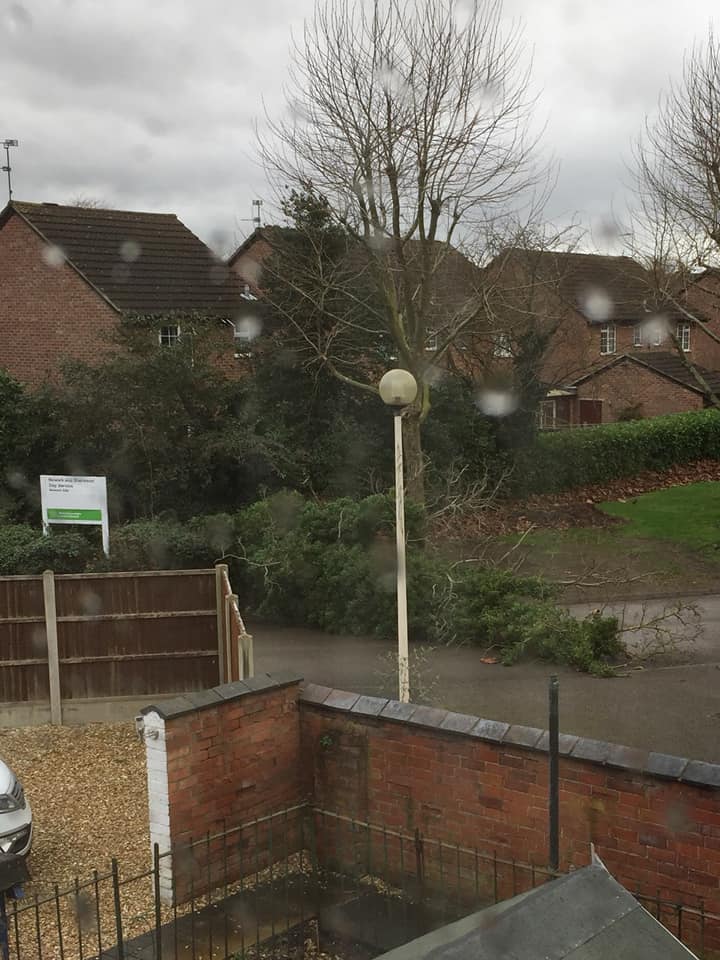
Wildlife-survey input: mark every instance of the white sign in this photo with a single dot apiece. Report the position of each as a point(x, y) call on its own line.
point(75, 500)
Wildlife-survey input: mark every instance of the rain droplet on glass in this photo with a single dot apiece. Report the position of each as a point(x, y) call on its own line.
point(19, 18)
point(655, 330)
point(498, 403)
point(247, 327)
point(53, 255)
point(596, 304)
point(130, 250)
point(91, 603)
point(16, 479)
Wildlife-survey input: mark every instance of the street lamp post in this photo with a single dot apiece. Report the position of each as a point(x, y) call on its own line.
point(398, 389)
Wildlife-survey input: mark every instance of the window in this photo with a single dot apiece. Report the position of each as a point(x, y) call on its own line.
point(169, 335)
point(637, 335)
point(502, 345)
point(547, 415)
point(683, 336)
point(242, 338)
point(431, 341)
point(607, 338)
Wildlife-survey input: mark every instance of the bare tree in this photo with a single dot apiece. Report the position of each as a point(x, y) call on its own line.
point(411, 121)
point(88, 203)
point(677, 223)
point(679, 160)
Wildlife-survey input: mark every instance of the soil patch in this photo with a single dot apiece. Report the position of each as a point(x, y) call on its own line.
point(572, 508)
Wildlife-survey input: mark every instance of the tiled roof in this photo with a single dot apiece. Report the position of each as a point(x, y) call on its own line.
point(602, 288)
point(142, 262)
point(668, 365)
point(457, 280)
point(671, 365)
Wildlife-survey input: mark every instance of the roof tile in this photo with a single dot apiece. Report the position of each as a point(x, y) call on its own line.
point(142, 262)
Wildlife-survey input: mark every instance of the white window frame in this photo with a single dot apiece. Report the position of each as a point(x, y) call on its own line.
point(502, 346)
point(608, 335)
point(545, 422)
point(243, 345)
point(638, 335)
point(431, 341)
point(683, 336)
point(169, 339)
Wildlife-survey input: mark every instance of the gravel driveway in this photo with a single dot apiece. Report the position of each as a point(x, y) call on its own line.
point(88, 792)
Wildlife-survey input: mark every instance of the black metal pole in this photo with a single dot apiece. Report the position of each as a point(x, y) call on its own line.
point(7, 169)
point(554, 749)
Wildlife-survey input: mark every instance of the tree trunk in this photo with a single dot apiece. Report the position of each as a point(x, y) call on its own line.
point(413, 457)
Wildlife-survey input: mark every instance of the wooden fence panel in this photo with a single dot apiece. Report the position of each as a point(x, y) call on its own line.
point(136, 592)
point(105, 658)
point(118, 634)
point(23, 641)
point(113, 678)
point(24, 682)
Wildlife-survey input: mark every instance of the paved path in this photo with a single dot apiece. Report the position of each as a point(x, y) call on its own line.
point(670, 708)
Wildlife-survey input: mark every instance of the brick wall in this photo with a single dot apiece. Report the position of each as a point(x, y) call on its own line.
point(231, 757)
point(627, 384)
point(47, 313)
point(444, 780)
point(704, 296)
point(249, 264)
point(654, 819)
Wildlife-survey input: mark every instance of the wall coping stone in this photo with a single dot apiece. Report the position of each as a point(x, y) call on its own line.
point(521, 736)
point(428, 717)
point(368, 706)
point(588, 749)
point(599, 752)
point(196, 700)
point(458, 722)
point(395, 710)
point(493, 730)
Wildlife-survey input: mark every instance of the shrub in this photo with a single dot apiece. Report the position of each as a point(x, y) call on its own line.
point(574, 458)
point(24, 550)
point(332, 566)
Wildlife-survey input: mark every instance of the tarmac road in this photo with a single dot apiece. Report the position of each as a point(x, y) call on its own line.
point(671, 705)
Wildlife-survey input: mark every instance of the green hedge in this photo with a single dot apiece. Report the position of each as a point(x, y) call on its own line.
point(574, 458)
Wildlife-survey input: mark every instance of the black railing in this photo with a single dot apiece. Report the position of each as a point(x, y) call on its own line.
point(301, 877)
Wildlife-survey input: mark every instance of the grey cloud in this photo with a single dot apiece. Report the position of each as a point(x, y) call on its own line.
point(152, 105)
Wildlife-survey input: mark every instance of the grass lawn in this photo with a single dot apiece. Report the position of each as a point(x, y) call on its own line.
point(687, 514)
point(669, 543)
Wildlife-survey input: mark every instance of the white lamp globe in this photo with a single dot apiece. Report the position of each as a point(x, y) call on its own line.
point(398, 388)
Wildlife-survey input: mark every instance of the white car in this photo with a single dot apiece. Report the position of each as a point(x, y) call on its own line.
point(15, 815)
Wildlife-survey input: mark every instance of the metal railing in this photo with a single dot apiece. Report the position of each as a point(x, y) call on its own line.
point(299, 877)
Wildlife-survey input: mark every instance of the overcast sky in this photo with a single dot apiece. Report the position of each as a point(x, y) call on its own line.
point(150, 104)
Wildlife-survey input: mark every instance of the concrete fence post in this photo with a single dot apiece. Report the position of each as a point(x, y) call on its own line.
point(52, 647)
point(221, 570)
point(229, 677)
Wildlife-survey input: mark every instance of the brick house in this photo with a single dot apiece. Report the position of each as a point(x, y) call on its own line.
point(615, 347)
point(611, 338)
point(68, 274)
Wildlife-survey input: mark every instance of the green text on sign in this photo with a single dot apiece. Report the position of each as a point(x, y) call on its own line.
point(58, 513)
